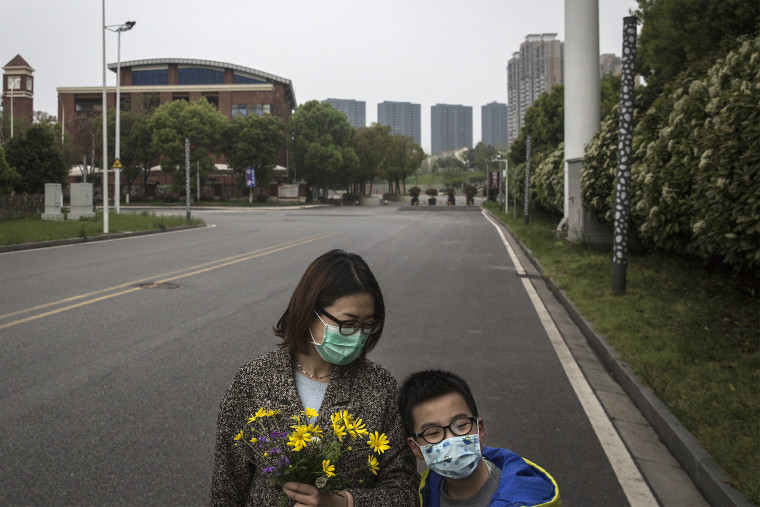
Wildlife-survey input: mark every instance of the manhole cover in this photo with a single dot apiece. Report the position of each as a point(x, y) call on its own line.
point(157, 285)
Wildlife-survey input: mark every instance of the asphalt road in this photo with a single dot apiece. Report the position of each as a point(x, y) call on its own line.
point(109, 392)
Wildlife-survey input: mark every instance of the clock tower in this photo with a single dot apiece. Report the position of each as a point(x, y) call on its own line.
point(18, 89)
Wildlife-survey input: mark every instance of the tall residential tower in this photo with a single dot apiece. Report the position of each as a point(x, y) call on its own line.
point(535, 69)
point(403, 117)
point(451, 127)
point(493, 119)
point(355, 110)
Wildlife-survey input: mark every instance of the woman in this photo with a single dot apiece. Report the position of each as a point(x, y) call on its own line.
point(334, 318)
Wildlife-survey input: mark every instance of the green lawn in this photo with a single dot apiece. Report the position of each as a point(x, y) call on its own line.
point(32, 230)
point(692, 333)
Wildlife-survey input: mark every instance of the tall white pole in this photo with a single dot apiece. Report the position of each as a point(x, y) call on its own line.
point(105, 130)
point(116, 171)
point(582, 97)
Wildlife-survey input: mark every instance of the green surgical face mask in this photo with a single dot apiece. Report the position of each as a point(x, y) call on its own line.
point(338, 348)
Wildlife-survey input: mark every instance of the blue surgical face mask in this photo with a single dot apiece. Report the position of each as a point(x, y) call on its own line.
point(455, 457)
point(338, 348)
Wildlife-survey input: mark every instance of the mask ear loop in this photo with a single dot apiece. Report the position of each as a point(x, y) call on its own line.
point(313, 341)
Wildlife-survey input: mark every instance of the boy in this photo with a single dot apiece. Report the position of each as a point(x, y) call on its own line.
point(443, 428)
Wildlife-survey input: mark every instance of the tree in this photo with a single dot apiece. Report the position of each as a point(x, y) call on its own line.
point(480, 156)
point(37, 156)
point(373, 148)
point(9, 177)
point(175, 121)
point(404, 158)
point(677, 33)
point(253, 141)
point(321, 148)
point(138, 154)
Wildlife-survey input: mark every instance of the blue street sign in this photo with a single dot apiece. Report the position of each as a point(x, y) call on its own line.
point(250, 177)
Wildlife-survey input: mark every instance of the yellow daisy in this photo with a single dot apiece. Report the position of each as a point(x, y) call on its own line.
point(272, 413)
point(328, 469)
point(261, 413)
point(340, 431)
point(299, 438)
point(359, 428)
point(315, 430)
point(309, 412)
point(378, 442)
point(374, 466)
point(239, 436)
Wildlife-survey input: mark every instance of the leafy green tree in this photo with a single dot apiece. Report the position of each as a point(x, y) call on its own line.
point(373, 146)
point(253, 141)
point(545, 122)
point(677, 33)
point(405, 157)
point(138, 154)
point(175, 121)
point(9, 177)
point(37, 157)
point(480, 156)
point(321, 148)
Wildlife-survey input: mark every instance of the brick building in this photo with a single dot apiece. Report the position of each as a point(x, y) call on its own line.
point(146, 84)
point(18, 90)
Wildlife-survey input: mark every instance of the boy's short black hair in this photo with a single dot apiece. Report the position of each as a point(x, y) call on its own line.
point(427, 385)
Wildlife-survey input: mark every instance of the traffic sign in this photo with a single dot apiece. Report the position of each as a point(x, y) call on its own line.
point(116, 164)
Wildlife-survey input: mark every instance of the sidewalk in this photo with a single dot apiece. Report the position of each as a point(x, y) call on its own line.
point(677, 468)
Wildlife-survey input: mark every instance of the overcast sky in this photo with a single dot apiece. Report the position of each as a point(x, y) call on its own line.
point(421, 51)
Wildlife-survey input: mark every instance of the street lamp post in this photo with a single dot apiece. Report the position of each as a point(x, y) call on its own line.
point(105, 130)
point(117, 171)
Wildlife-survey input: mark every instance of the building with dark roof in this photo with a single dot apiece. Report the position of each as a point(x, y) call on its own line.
point(18, 89)
point(146, 84)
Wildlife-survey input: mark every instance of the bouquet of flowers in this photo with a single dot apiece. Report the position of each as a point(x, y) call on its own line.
point(304, 452)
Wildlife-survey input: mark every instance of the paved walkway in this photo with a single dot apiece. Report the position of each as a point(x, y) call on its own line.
point(640, 419)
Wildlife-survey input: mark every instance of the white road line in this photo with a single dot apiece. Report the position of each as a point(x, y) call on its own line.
point(634, 486)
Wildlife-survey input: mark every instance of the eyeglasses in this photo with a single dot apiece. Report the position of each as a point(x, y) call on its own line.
point(459, 427)
point(348, 327)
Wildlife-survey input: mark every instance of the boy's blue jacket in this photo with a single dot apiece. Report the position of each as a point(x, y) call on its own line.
point(522, 483)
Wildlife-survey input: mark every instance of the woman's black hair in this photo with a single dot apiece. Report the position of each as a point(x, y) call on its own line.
point(333, 275)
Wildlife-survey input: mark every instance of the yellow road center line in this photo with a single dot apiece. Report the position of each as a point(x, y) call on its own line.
point(209, 266)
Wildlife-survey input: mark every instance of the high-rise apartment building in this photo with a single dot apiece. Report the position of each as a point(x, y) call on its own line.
point(403, 117)
point(610, 64)
point(493, 119)
point(536, 68)
point(355, 110)
point(451, 127)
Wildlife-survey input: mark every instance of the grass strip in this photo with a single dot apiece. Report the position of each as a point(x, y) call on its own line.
point(32, 230)
point(692, 333)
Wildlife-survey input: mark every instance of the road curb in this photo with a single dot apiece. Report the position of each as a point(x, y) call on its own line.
point(88, 239)
point(709, 478)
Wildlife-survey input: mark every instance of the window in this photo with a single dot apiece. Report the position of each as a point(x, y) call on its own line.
point(150, 77)
point(247, 80)
point(198, 75)
point(246, 109)
point(212, 98)
point(88, 105)
point(181, 96)
point(29, 84)
point(126, 102)
point(151, 101)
